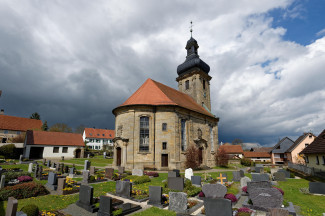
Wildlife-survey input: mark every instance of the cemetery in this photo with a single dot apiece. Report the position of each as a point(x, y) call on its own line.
point(52, 188)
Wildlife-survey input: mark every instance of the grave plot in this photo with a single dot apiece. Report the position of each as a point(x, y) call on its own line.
point(124, 189)
point(179, 203)
point(67, 186)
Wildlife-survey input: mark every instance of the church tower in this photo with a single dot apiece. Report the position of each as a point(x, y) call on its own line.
point(193, 78)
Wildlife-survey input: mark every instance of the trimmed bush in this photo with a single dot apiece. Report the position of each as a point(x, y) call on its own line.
point(201, 194)
point(22, 191)
point(24, 178)
point(245, 162)
point(154, 174)
point(138, 179)
point(30, 210)
point(92, 178)
point(8, 150)
point(15, 175)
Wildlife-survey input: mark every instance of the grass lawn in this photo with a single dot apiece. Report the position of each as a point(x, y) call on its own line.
point(155, 211)
point(21, 166)
point(95, 161)
point(309, 204)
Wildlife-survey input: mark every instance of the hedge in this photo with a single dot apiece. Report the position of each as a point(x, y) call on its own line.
point(22, 191)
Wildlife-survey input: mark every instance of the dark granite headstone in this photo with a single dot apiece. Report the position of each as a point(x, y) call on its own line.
point(177, 172)
point(236, 176)
point(317, 187)
point(217, 206)
point(155, 196)
point(196, 180)
point(214, 190)
point(21, 158)
point(177, 202)
point(254, 185)
point(279, 176)
point(40, 172)
point(2, 181)
point(62, 167)
point(172, 174)
point(123, 189)
point(121, 170)
point(52, 181)
point(44, 161)
point(66, 169)
point(259, 165)
point(48, 163)
point(12, 206)
point(105, 206)
point(109, 173)
point(287, 173)
point(71, 171)
point(260, 177)
point(259, 169)
point(266, 197)
point(242, 173)
point(87, 165)
point(176, 183)
point(86, 198)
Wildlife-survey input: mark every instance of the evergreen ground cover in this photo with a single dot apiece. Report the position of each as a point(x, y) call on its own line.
point(95, 161)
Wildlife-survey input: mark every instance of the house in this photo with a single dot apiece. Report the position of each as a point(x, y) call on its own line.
point(302, 142)
point(155, 126)
point(258, 156)
point(96, 138)
point(314, 153)
point(53, 145)
point(278, 153)
point(234, 151)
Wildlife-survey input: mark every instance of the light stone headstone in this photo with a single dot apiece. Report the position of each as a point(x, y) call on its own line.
point(2, 181)
point(85, 177)
point(236, 176)
point(177, 202)
point(266, 197)
point(279, 176)
point(260, 177)
point(71, 172)
point(243, 181)
point(61, 185)
point(137, 172)
point(242, 173)
point(214, 190)
point(121, 170)
point(30, 167)
point(92, 170)
point(217, 206)
point(273, 170)
point(109, 173)
point(188, 173)
point(12, 206)
point(254, 185)
point(21, 158)
point(279, 212)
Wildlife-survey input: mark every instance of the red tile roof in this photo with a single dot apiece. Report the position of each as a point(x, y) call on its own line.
point(54, 138)
point(99, 133)
point(155, 93)
point(18, 123)
point(257, 154)
point(232, 149)
point(317, 146)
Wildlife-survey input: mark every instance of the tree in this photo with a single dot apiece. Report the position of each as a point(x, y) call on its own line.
point(35, 115)
point(45, 127)
point(237, 142)
point(221, 158)
point(80, 129)
point(60, 127)
point(192, 157)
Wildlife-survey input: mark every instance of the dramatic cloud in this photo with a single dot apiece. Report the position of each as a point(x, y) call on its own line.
point(74, 61)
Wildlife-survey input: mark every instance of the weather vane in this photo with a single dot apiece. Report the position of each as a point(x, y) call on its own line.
point(191, 28)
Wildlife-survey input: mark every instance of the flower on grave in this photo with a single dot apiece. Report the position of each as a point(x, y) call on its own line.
point(231, 197)
point(244, 209)
point(244, 189)
point(201, 194)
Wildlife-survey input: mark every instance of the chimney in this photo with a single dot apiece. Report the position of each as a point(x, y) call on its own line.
point(2, 112)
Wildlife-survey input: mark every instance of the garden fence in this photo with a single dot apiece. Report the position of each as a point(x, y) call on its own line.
point(307, 170)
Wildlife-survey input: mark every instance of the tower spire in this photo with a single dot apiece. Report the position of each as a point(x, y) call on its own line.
point(191, 29)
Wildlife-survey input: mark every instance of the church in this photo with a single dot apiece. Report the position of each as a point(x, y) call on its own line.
point(156, 124)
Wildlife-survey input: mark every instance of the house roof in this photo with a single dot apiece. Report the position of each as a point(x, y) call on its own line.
point(262, 149)
point(99, 133)
point(317, 146)
point(18, 123)
point(298, 141)
point(155, 93)
point(53, 138)
point(283, 145)
point(249, 154)
point(232, 149)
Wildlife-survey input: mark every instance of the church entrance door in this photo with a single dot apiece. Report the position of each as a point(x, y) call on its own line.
point(164, 160)
point(118, 156)
point(200, 155)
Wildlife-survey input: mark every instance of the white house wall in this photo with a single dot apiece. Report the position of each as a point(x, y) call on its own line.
point(48, 151)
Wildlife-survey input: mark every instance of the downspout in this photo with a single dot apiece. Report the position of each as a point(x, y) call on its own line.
point(133, 137)
point(154, 137)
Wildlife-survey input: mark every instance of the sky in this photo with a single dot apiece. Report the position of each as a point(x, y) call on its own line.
point(74, 61)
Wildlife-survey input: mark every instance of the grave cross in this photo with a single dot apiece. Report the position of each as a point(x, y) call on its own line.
point(221, 178)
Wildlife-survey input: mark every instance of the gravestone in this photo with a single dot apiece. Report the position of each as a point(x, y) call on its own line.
point(279, 176)
point(259, 169)
point(279, 212)
point(121, 170)
point(57, 167)
point(177, 202)
point(85, 177)
point(287, 173)
point(52, 181)
point(86, 198)
point(53, 165)
point(217, 206)
point(62, 167)
point(104, 154)
point(137, 172)
point(36, 170)
point(61, 185)
point(155, 196)
point(123, 189)
point(236, 176)
point(21, 158)
point(40, 172)
point(105, 206)
point(176, 183)
point(92, 170)
point(71, 172)
point(274, 170)
point(260, 177)
point(196, 180)
point(2, 181)
point(188, 173)
point(259, 165)
point(177, 172)
point(317, 187)
point(243, 181)
point(252, 169)
point(172, 174)
point(48, 163)
point(266, 197)
point(44, 161)
point(66, 169)
point(30, 167)
point(242, 173)
point(109, 173)
point(222, 178)
point(87, 165)
point(12, 206)
point(214, 190)
point(254, 185)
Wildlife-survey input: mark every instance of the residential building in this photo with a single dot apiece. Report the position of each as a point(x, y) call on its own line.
point(278, 154)
point(314, 153)
point(234, 151)
point(96, 138)
point(53, 145)
point(156, 124)
point(302, 142)
point(258, 156)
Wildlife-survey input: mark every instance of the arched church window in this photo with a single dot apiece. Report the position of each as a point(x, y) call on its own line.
point(203, 84)
point(211, 138)
point(144, 133)
point(183, 134)
point(187, 84)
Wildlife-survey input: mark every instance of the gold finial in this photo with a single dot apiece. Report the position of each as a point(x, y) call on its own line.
point(191, 30)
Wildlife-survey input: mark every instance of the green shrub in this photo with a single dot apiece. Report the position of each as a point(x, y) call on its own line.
point(22, 191)
point(165, 184)
point(30, 210)
point(92, 178)
point(8, 150)
point(138, 179)
point(192, 190)
point(187, 183)
point(292, 175)
point(15, 175)
point(2, 157)
point(245, 162)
